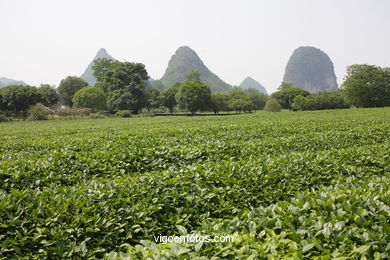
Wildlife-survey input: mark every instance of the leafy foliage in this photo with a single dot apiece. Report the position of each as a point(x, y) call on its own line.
point(17, 99)
point(168, 97)
point(50, 96)
point(284, 185)
point(272, 105)
point(193, 96)
point(68, 87)
point(285, 96)
point(38, 112)
point(123, 82)
point(90, 97)
point(322, 100)
point(367, 86)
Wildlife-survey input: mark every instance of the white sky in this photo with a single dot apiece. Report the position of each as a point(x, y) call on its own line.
point(43, 41)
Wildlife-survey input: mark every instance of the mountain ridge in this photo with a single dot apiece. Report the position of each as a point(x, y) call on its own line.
point(7, 82)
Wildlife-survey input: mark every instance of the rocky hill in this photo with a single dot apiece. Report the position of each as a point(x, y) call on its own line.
point(311, 69)
point(88, 73)
point(249, 82)
point(184, 61)
point(7, 82)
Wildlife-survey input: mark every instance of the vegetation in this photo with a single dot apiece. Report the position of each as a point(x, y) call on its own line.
point(123, 82)
point(168, 97)
point(153, 99)
point(272, 105)
point(90, 97)
point(322, 100)
point(284, 185)
point(367, 86)
point(50, 96)
point(38, 112)
point(16, 100)
point(193, 96)
point(123, 113)
point(68, 87)
point(286, 95)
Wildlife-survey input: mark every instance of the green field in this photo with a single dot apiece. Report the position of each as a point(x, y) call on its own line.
point(291, 184)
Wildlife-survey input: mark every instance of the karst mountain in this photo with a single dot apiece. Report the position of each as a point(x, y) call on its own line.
point(311, 69)
point(249, 82)
point(184, 61)
point(88, 73)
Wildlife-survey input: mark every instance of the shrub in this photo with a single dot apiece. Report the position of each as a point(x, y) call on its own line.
point(272, 105)
point(38, 112)
point(90, 97)
point(123, 113)
point(4, 118)
point(72, 112)
point(96, 116)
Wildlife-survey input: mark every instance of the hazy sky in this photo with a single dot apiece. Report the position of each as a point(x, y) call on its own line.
point(43, 41)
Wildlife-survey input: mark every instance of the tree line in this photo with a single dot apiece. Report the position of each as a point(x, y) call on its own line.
point(124, 86)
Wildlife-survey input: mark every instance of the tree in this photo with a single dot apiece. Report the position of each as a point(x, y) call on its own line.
point(238, 100)
point(218, 102)
point(49, 94)
point(286, 85)
point(272, 105)
point(68, 87)
point(285, 97)
point(17, 99)
point(153, 99)
point(367, 86)
point(321, 100)
point(258, 100)
point(299, 103)
point(193, 75)
point(123, 82)
point(193, 96)
point(90, 97)
point(168, 97)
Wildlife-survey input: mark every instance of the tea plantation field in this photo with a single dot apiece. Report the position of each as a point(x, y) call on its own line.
point(296, 185)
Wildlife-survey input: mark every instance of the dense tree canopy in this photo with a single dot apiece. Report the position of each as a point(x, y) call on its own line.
point(153, 99)
point(50, 96)
point(123, 82)
point(168, 97)
point(322, 100)
point(367, 86)
point(193, 96)
point(17, 99)
point(285, 96)
point(90, 97)
point(68, 87)
point(219, 102)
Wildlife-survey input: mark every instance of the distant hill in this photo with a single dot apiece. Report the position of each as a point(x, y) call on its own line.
point(88, 73)
point(184, 61)
point(7, 82)
point(311, 69)
point(251, 83)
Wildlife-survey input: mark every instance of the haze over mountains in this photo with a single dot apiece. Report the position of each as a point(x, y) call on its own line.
point(249, 82)
point(308, 68)
point(6, 82)
point(311, 69)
